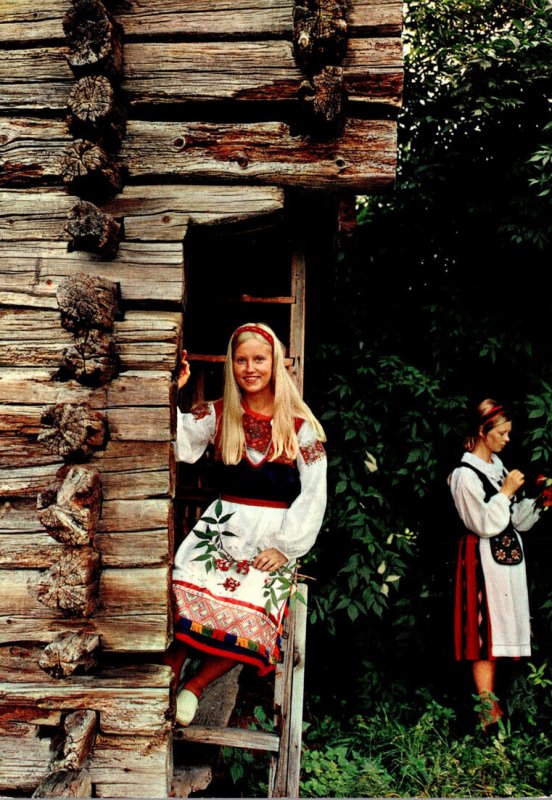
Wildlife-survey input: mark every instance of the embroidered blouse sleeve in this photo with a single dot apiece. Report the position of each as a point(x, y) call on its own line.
point(194, 432)
point(484, 519)
point(305, 515)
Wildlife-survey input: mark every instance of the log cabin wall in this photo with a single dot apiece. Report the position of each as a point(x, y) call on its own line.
point(123, 125)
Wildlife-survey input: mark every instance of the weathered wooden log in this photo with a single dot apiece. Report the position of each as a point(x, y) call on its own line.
point(131, 533)
point(260, 152)
point(132, 766)
point(71, 585)
point(158, 213)
point(72, 431)
point(79, 736)
point(253, 71)
point(362, 154)
point(180, 72)
point(93, 230)
point(146, 341)
point(75, 783)
point(70, 653)
point(319, 33)
point(30, 272)
point(70, 512)
point(324, 98)
point(202, 19)
point(97, 113)
point(129, 470)
point(95, 39)
point(92, 359)
point(23, 760)
point(89, 171)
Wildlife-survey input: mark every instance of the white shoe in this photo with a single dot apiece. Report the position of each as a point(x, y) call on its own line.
point(186, 707)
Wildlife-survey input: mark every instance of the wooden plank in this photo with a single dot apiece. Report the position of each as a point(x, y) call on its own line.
point(132, 710)
point(362, 157)
point(31, 272)
point(283, 691)
point(149, 340)
point(169, 72)
point(19, 664)
point(132, 766)
point(129, 471)
point(127, 633)
point(149, 213)
point(40, 387)
point(297, 692)
point(28, 21)
point(375, 17)
point(230, 737)
point(40, 551)
point(297, 317)
point(25, 21)
point(253, 71)
point(48, 86)
point(30, 150)
point(136, 470)
point(121, 590)
point(373, 71)
point(23, 762)
point(131, 533)
point(133, 616)
point(35, 340)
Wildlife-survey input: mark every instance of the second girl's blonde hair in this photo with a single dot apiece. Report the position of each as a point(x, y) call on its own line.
point(288, 403)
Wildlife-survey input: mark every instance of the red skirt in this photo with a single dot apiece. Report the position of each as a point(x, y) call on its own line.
point(472, 624)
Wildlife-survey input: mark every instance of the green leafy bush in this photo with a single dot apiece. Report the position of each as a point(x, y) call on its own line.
point(392, 755)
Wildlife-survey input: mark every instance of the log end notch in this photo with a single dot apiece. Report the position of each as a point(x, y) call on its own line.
point(70, 511)
point(70, 653)
point(92, 231)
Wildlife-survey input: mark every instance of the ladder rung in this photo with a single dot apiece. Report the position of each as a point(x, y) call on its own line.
point(284, 300)
point(230, 737)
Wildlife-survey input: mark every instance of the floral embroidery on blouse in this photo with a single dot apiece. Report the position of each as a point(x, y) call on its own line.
point(258, 433)
point(313, 451)
point(200, 412)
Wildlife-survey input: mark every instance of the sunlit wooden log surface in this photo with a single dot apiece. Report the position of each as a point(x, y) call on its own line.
point(362, 155)
point(206, 18)
point(168, 72)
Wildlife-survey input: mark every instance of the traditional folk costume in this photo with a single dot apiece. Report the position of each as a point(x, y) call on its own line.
point(224, 605)
point(491, 618)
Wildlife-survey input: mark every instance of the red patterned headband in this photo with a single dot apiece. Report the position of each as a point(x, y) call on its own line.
point(253, 329)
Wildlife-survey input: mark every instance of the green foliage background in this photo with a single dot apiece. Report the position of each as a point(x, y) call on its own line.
point(441, 297)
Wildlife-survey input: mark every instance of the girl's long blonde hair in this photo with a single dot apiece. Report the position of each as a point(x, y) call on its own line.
point(288, 403)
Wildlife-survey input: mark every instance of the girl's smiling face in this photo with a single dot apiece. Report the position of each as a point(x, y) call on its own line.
point(252, 366)
point(498, 437)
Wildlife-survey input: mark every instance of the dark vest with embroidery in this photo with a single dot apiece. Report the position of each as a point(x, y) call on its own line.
point(269, 482)
point(505, 547)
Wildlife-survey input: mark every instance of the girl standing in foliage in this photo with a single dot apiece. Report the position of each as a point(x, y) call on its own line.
point(491, 599)
point(234, 572)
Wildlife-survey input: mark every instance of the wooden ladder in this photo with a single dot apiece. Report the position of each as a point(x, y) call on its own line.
point(284, 744)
